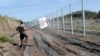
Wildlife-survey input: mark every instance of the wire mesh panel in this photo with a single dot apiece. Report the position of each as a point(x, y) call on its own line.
point(91, 14)
point(60, 19)
point(76, 8)
point(51, 14)
point(79, 17)
point(67, 18)
point(48, 20)
point(55, 20)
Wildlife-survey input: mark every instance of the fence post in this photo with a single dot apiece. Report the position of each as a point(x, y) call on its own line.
point(52, 22)
point(71, 18)
point(57, 20)
point(83, 17)
point(63, 20)
point(48, 21)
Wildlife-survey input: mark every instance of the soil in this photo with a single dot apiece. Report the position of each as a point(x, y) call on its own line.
point(53, 43)
point(63, 44)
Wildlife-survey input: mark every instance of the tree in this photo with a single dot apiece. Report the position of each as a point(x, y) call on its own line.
point(98, 15)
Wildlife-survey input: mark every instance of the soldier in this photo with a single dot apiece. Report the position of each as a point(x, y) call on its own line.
point(23, 35)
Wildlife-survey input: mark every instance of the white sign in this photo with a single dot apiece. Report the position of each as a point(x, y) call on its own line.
point(43, 22)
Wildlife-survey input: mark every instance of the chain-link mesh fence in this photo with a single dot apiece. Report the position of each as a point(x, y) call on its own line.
point(76, 18)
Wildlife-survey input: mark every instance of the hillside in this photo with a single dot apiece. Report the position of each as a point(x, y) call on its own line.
point(7, 25)
point(88, 14)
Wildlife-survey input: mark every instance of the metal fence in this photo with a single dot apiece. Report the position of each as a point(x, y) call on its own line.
point(72, 19)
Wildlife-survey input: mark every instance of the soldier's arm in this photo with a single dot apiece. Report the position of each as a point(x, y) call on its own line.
point(17, 29)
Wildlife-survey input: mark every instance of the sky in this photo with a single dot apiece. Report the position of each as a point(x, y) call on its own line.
point(28, 10)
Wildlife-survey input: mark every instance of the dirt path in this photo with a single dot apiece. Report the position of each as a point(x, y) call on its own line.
point(53, 44)
point(31, 48)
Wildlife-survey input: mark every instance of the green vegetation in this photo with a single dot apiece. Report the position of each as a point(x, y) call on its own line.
point(93, 28)
point(88, 14)
point(5, 17)
point(98, 15)
point(78, 15)
point(5, 38)
point(92, 20)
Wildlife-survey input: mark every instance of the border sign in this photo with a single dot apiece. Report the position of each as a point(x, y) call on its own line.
point(43, 22)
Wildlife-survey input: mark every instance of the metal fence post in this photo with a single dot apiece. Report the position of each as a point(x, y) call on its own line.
point(52, 22)
point(57, 20)
point(83, 17)
point(71, 18)
point(63, 20)
point(48, 21)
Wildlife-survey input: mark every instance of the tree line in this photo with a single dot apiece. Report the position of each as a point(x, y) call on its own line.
point(88, 14)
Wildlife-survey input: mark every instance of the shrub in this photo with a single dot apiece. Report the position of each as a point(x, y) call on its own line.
point(5, 38)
